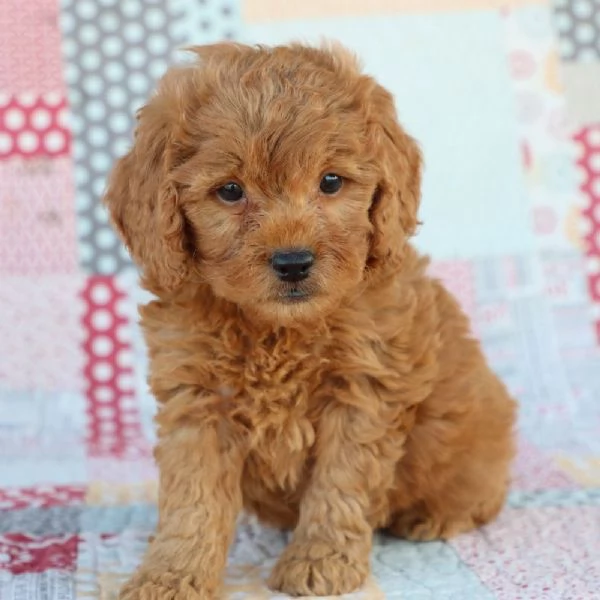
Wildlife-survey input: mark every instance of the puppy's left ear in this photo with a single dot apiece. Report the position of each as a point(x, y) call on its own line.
point(396, 201)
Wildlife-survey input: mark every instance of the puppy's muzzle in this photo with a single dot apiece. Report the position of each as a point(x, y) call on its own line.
point(292, 266)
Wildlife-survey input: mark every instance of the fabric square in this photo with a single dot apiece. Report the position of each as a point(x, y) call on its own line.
point(578, 26)
point(543, 127)
point(52, 521)
point(33, 127)
point(209, 21)
point(582, 90)
point(39, 420)
point(112, 520)
point(115, 51)
point(113, 418)
point(41, 333)
point(429, 571)
point(533, 554)
point(48, 584)
point(458, 278)
point(133, 297)
point(41, 447)
point(584, 470)
point(21, 553)
point(588, 141)
point(534, 470)
point(561, 287)
point(50, 463)
point(30, 58)
point(37, 217)
point(122, 480)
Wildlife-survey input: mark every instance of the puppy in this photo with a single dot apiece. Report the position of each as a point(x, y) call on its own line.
point(306, 367)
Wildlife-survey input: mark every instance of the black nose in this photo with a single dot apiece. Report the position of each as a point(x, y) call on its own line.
point(292, 265)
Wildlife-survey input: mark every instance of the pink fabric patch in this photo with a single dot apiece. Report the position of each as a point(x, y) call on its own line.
point(459, 279)
point(37, 217)
point(522, 64)
point(34, 127)
point(532, 470)
point(124, 470)
point(30, 60)
point(27, 554)
point(114, 423)
point(41, 497)
point(545, 220)
point(537, 553)
point(41, 333)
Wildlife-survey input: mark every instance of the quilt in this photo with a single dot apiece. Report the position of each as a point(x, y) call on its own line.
point(504, 96)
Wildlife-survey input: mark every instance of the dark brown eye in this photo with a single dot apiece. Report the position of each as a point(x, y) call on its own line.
point(331, 183)
point(230, 192)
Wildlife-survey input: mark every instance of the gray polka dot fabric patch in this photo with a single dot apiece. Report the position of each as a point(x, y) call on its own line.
point(115, 50)
point(578, 26)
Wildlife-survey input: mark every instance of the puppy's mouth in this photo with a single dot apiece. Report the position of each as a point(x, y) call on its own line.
point(295, 294)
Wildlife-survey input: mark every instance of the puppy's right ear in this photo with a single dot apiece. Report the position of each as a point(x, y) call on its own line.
point(143, 199)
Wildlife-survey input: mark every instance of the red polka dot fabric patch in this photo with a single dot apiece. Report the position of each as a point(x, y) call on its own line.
point(113, 418)
point(588, 140)
point(32, 126)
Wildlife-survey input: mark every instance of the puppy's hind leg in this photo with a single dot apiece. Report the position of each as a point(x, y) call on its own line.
point(425, 523)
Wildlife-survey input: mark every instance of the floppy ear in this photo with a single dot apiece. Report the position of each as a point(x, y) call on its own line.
point(395, 205)
point(142, 198)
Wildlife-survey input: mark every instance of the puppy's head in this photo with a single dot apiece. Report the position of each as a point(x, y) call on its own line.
point(279, 176)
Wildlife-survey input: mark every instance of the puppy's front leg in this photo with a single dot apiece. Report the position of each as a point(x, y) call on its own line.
point(329, 553)
point(199, 500)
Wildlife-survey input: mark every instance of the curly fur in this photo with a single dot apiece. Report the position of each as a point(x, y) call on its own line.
point(369, 405)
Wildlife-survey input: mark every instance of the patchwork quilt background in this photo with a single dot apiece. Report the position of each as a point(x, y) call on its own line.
point(505, 99)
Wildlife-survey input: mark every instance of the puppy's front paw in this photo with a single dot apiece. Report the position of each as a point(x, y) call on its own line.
point(164, 586)
point(317, 569)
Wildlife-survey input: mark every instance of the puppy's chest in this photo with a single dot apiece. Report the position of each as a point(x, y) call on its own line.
point(276, 397)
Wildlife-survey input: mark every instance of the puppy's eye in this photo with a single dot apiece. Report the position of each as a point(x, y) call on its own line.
point(230, 192)
point(331, 183)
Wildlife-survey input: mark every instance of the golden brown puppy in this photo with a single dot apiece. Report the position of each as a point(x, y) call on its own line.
point(307, 368)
